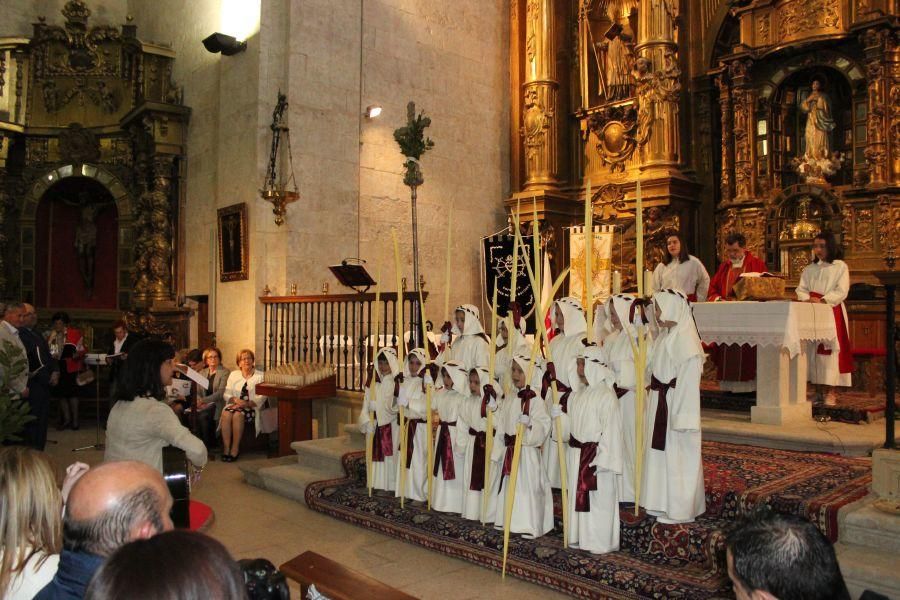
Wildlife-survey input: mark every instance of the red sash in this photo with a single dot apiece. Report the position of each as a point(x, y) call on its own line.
point(660, 423)
point(620, 392)
point(411, 426)
point(382, 443)
point(845, 351)
point(510, 442)
point(476, 482)
point(444, 452)
point(587, 474)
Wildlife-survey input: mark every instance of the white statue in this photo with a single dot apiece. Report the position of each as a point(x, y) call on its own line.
point(819, 123)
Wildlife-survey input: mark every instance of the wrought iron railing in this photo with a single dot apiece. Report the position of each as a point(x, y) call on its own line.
point(335, 330)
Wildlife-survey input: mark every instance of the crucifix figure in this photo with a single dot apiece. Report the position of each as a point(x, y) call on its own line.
point(86, 244)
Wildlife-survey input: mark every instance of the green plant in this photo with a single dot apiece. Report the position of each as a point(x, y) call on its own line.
point(413, 144)
point(14, 411)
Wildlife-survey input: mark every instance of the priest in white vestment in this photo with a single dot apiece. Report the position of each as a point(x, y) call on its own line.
point(567, 319)
point(826, 280)
point(448, 453)
point(470, 347)
point(472, 430)
point(681, 271)
point(594, 455)
point(532, 513)
point(380, 400)
point(411, 396)
point(672, 479)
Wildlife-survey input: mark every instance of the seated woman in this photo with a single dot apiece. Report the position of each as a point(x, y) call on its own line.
point(30, 522)
point(178, 402)
point(140, 424)
point(242, 405)
point(211, 400)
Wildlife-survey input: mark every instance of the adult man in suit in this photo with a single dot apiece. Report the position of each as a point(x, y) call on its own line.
point(122, 342)
point(9, 332)
point(43, 372)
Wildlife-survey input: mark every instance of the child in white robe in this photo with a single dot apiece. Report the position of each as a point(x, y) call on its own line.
point(448, 454)
point(620, 358)
point(379, 399)
point(566, 316)
point(604, 332)
point(473, 431)
point(532, 514)
point(508, 346)
point(470, 347)
point(672, 479)
point(594, 456)
point(412, 397)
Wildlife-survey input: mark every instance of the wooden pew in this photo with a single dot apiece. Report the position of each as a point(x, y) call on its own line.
point(336, 581)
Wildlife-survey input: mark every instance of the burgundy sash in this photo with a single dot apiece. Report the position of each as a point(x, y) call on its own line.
point(548, 378)
point(444, 452)
point(566, 391)
point(489, 393)
point(476, 483)
point(660, 423)
point(397, 381)
point(382, 443)
point(411, 425)
point(845, 352)
point(510, 442)
point(620, 392)
point(587, 474)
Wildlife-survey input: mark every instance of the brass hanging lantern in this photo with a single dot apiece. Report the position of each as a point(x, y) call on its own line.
point(275, 189)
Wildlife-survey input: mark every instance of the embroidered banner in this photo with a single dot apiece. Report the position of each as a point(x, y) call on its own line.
point(601, 264)
point(498, 264)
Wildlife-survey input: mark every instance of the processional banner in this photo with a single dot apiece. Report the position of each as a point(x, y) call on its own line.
point(498, 265)
point(601, 263)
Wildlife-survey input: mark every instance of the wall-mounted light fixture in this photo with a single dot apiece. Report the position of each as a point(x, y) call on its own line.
point(226, 44)
point(372, 111)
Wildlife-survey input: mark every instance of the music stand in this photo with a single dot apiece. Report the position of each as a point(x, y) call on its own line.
point(96, 360)
point(353, 276)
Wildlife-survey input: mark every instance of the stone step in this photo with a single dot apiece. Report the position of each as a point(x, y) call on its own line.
point(866, 569)
point(325, 454)
point(288, 480)
point(869, 527)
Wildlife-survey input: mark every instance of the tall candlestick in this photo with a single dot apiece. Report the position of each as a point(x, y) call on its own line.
point(648, 282)
point(616, 282)
point(639, 238)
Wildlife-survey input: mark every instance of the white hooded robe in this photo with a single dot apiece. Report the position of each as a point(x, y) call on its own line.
point(383, 403)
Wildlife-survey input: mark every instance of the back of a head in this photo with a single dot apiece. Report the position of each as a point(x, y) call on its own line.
point(176, 565)
point(141, 375)
point(785, 556)
point(30, 505)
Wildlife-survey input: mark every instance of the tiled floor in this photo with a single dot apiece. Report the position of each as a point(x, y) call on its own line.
point(254, 523)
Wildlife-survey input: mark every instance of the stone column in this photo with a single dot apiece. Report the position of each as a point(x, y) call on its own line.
point(541, 119)
point(656, 44)
point(727, 182)
point(742, 100)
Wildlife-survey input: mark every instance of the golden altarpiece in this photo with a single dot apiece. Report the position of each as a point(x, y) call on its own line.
point(92, 143)
point(776, 118)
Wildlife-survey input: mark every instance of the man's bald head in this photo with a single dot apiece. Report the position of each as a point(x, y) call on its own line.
point(113, 504)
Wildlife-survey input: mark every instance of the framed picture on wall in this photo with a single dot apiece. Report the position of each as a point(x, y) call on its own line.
point(234, 251)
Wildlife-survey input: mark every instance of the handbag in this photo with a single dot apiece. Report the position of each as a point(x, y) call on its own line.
point(268, 418)
point(85, 377)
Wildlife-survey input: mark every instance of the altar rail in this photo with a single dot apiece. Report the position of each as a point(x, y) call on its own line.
point(335, 329)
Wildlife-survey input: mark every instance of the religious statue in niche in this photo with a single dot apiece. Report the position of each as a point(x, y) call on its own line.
point(86, 245)
point(817, 161)
point(615, 81)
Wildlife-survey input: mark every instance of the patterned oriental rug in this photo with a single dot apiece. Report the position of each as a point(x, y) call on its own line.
point(655, 560)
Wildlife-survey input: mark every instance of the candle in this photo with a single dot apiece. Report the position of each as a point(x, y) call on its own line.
point(648, 283)
point(616, 282)
point(639, 237)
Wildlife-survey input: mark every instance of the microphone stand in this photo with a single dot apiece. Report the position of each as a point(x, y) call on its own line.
point(95, 360)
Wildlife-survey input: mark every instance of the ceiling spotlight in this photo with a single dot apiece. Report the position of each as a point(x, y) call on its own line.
point(372, 111)
point(226, 44)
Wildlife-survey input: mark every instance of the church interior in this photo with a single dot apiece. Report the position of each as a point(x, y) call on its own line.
point(314, 181)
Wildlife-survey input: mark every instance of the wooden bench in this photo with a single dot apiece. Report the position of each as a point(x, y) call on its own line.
point(336, 581)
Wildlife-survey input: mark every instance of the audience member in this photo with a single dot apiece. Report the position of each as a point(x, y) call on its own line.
point(140, 425)
point(211, 401)
point(242, 405)
point(117, 354)
point(782, 557)
point(30, 522)
point(67, 346)
point(177, 565)
point(43, 374)
point(9, 332)
point(109, 506)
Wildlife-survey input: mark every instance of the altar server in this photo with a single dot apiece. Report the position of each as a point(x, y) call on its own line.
point(411, 395)
point(594, 455)
point(672, 478)
point(472, 428)
point(681, 271)
point(567, 317)
point(826, 280)
point(470, 347)
point(533, 507)
point(508, 344)
point(625, 314)
point(448, 453)
point(379, 399)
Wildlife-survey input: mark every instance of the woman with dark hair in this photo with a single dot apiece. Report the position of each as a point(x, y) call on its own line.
point(141, 424)
point(175, 565)
point(826, 280)
point(67, 346)
point(681, 271)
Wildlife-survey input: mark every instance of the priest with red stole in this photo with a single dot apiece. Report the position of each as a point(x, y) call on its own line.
point(735, 365)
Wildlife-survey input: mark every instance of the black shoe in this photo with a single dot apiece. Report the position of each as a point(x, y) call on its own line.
point(226, 458)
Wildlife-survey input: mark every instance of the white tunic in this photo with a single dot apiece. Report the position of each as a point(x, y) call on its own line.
point(689, 277)
point(593, 416)
point(620, 358)
point(416, 481)
point(383, 472)
point(832, 280)
point(532, 513)
point(470, 351)
point(470, 418)
point(447, 493)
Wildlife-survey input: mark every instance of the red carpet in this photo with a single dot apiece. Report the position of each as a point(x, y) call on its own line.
point(655, 560)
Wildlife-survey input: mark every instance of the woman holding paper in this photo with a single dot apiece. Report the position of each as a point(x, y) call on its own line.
point(242, 404)
point(681, 271)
